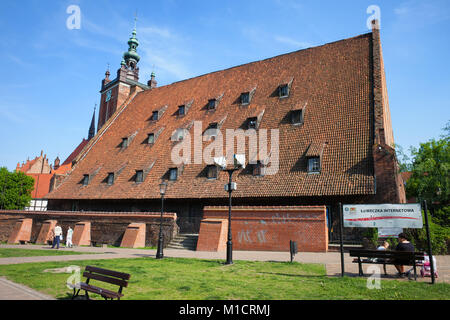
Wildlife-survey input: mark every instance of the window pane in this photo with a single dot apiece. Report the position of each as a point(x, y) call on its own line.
point(155, 115)
point(245, 98)
point(296, 116)
point(181, 110)
point(252, 123)
point(139, 176)
point(284, 90)
point(110, 178)
point(212, 104)
point(212, 172)
point(85, 180)
point(124, 142)
point(151, 138)
point(314, 164)
point(173, 174)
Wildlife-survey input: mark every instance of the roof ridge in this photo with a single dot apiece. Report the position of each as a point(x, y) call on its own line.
point(265, 59)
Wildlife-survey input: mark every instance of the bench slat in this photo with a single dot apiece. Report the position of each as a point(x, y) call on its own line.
point(106, 279)
point(100, 291)
point(121, 275)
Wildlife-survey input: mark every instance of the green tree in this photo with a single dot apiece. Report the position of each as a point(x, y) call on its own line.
point(15, 190)
point(430, 179)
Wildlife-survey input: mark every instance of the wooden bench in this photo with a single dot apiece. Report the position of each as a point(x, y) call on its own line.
point(386, 257)
point(108, 276)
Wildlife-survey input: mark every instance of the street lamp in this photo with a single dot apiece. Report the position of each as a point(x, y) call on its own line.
point(238, 162)
point(162, 191)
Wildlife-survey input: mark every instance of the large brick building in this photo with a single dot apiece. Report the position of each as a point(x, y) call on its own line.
point(328, 105)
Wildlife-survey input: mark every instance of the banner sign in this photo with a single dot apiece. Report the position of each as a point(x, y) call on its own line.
point(389, 232)
point(383, 215)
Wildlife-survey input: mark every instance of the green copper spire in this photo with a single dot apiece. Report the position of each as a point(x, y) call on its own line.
point(131, 57)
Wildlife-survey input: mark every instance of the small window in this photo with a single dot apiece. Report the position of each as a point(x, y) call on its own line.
point(110, 179)
point(297, 117)
point(314, 165)
point(258, 169)
point(151, 138)
point(212, 172)
point(212, 104)
point(124, 143)
point(283, 91)
point(245, 98)
point(252, 123)
point(173, 174)
point(181, 110)
point(85, 180)
point(139, 176)
point(155, 116)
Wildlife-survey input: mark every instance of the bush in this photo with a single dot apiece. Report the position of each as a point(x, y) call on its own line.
point(440, 238)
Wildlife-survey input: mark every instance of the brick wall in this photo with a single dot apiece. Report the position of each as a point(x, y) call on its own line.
point(107, 227)
point(271, 228)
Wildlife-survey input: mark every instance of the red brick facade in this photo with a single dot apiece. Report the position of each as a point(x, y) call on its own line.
point(96, 227)
point(266, 228)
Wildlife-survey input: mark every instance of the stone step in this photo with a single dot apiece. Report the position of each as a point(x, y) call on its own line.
point(184, 241)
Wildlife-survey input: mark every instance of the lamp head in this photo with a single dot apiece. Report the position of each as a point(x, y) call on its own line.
point(162, 188)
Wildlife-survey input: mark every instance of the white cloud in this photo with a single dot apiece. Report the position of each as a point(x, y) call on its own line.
point(292, 42)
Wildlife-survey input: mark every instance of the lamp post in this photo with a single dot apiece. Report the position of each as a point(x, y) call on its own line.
point(230, 187)
point(238, 162)
point(162, 191)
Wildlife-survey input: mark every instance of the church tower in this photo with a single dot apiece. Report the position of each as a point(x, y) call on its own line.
point(115, 92)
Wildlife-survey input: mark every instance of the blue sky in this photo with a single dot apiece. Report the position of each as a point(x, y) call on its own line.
point(51, 75)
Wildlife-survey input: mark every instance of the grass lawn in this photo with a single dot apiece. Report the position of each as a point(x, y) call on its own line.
point(7, 252)
point(180, 279)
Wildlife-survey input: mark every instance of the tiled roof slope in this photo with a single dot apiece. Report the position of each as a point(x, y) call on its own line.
point(332, 83)
point(75, 152)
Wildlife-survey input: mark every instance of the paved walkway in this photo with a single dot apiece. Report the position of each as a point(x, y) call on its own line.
point(331, 260)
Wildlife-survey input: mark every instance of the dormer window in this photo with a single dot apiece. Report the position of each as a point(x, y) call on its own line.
point(110, 179)
point(155, 116)
point(173, 174)
point(151, 138)
point(258, 169)
point(314, 165)
point(297, 116)
point(245, 98)
point(182, 110)
point(212, 103)
point(85, 179)
point(139, 176)
point(283, 91)
point(212, 172)
point(252, 123)
point(124, 143)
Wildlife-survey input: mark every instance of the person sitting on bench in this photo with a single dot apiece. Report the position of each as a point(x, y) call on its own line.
point(404, 245)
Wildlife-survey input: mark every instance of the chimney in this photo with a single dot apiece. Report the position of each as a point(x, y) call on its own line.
point(56, 164)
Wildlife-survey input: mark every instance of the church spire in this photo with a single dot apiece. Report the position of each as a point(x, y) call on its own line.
point(131, 57)
point(92, 127)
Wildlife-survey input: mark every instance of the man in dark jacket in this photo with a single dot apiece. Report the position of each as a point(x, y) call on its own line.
point(403, 245)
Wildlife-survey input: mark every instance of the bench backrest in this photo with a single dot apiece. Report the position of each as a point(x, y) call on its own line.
point(108, 276)
point(401, 255)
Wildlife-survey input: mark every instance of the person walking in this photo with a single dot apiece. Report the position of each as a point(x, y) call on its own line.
point(57, 236)
point(69, 238)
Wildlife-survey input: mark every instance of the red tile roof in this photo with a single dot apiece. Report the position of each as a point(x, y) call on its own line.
point(75, 152)
point(41, 184)
point(331, 83)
